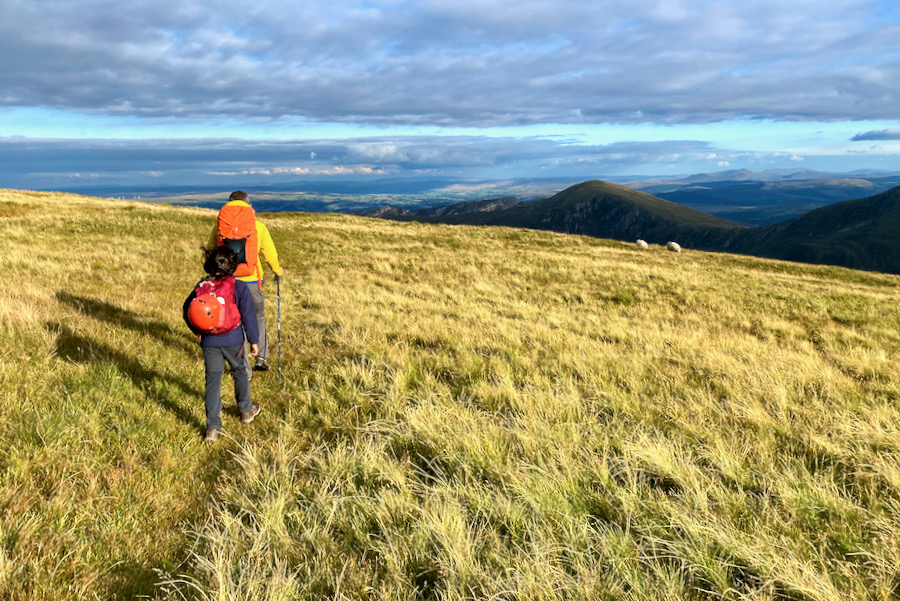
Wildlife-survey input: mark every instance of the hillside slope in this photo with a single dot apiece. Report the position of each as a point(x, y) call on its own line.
point(862, 234)
point(606, 210)
point(467, 413)
point(758, 203)
point(455, 208)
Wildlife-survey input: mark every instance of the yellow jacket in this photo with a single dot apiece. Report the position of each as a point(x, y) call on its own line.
point(265, 246)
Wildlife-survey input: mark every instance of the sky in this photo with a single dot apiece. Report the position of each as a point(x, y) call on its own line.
point(177, 92)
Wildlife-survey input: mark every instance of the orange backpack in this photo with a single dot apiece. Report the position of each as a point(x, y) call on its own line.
point(237, 230)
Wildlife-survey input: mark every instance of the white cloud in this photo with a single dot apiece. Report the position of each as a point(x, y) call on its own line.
point(328, 171)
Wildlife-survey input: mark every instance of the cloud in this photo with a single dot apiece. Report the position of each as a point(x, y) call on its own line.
point(36, 163)
point(462, 63)
point(881, 134)
point(325, 171)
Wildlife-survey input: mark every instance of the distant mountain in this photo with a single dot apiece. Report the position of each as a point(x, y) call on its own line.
point(770, 175)
point(456, 208)
point(360, 191)
point(386, 212)
point(763, 203)
point(862, 233)
point(605, 210)
point(758, 198)
point(765, 198)
point(770, 193)
point(751, 198)
point(476, 206)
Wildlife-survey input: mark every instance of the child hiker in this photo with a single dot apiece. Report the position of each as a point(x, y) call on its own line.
point(215, 311)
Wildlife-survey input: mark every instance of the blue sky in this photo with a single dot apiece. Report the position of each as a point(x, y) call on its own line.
point(196, 91)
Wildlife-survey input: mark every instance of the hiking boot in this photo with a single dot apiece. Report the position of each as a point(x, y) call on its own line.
point(212, 435)
point(261, 365)
point(249, 416)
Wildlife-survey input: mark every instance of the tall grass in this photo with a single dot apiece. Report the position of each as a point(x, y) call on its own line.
point(468, 413)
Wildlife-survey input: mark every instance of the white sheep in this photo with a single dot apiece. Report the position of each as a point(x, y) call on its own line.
point(674, 247)
point(641, 244)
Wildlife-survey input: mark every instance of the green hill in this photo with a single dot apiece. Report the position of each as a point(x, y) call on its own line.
point(606, 210)
point(862, 234)
point(467, 413)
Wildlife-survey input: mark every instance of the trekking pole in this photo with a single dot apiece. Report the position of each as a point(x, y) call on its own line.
point(278, 302)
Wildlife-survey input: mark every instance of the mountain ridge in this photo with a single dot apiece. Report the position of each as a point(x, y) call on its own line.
point(862, 233)
point(455, 208)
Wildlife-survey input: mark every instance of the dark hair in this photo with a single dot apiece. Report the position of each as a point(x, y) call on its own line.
point(238, 195)
point(220, 262)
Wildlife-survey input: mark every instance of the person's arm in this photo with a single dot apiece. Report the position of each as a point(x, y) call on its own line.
point(267, 248)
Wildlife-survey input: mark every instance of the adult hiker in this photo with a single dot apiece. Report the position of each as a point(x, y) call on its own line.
point(238, 228)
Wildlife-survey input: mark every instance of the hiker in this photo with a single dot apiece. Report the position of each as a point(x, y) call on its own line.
point(237, 226)
point(221, 313)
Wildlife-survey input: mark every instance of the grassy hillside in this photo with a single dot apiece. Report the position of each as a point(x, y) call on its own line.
point(468, 413)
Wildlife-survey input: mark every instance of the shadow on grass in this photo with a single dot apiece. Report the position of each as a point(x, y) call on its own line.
point(73, 347)
point(123, 318)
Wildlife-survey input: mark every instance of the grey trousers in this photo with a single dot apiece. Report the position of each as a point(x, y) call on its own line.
point(214, 360)
point(260, 302)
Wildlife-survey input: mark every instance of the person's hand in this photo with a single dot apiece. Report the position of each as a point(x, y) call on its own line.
point(254, 350)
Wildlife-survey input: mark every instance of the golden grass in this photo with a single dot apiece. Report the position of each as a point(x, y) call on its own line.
point(467, 413)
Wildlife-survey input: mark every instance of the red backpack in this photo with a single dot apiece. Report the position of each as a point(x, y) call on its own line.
point(237, 230)
point(214, 310)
